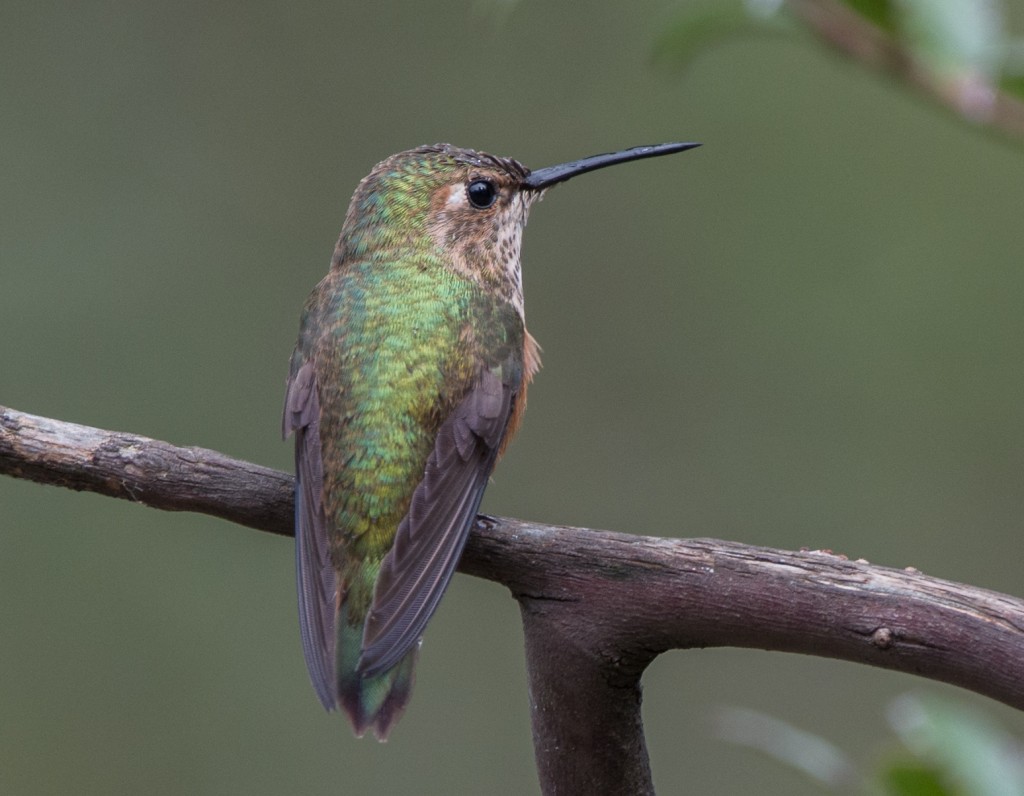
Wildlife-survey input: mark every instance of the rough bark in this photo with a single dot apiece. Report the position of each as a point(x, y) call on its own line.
point(598, 606)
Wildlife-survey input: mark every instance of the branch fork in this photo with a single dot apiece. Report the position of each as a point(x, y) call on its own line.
point(597, 606)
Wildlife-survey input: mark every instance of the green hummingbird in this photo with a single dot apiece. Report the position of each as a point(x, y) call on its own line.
point(407, 383)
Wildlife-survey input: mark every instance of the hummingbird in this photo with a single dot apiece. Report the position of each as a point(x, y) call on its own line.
point(407, 383)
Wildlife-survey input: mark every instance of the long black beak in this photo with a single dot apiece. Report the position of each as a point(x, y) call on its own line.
point(544, 178)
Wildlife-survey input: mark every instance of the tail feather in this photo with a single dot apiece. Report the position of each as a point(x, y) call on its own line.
point(372, 703)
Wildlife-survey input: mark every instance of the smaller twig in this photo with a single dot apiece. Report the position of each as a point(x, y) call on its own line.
point(846, 31)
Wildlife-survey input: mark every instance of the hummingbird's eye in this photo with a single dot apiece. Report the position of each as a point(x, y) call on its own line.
point(481, 193)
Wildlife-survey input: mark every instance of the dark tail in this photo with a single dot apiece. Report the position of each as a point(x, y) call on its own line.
point(372, 703)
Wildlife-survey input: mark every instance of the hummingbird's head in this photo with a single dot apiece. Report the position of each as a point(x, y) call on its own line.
point(460, 209)
point(463, 209)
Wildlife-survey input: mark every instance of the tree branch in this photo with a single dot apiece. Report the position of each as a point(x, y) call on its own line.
point(145, 470)
point(598, 607)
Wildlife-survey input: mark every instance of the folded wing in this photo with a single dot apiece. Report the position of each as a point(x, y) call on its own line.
point(317, 583)
point(430, 538)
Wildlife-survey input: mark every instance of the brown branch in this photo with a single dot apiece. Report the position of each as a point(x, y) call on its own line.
point(598, 607)
point(145, 471)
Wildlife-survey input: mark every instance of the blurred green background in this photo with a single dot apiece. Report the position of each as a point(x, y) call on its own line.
point(805, 333)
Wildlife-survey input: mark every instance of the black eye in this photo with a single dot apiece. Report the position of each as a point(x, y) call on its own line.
point(481, 193)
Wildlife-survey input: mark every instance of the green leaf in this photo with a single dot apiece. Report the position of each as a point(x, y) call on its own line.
point(880, 12)
point(955, 36)
point(972, 750)
point(1013, 85)
point(912, 778)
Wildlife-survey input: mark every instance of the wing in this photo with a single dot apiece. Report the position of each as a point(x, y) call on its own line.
point(317, 584)
point(430, 538)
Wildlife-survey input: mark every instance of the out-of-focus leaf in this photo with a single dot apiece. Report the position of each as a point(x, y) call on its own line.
point(955, 35)
point(963, 43)
point(878, 11)
point(1013, 84)
point(912, 778)
point(810, 754)
point(958, 52)
point(702, 25)
point(978, 756)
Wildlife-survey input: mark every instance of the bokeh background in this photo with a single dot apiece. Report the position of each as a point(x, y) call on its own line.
point(805, 333)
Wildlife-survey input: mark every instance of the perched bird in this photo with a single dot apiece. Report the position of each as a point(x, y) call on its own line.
point(408, 381)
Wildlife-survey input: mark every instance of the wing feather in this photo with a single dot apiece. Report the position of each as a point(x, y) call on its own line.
point(317, 582)
point(430, 538)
